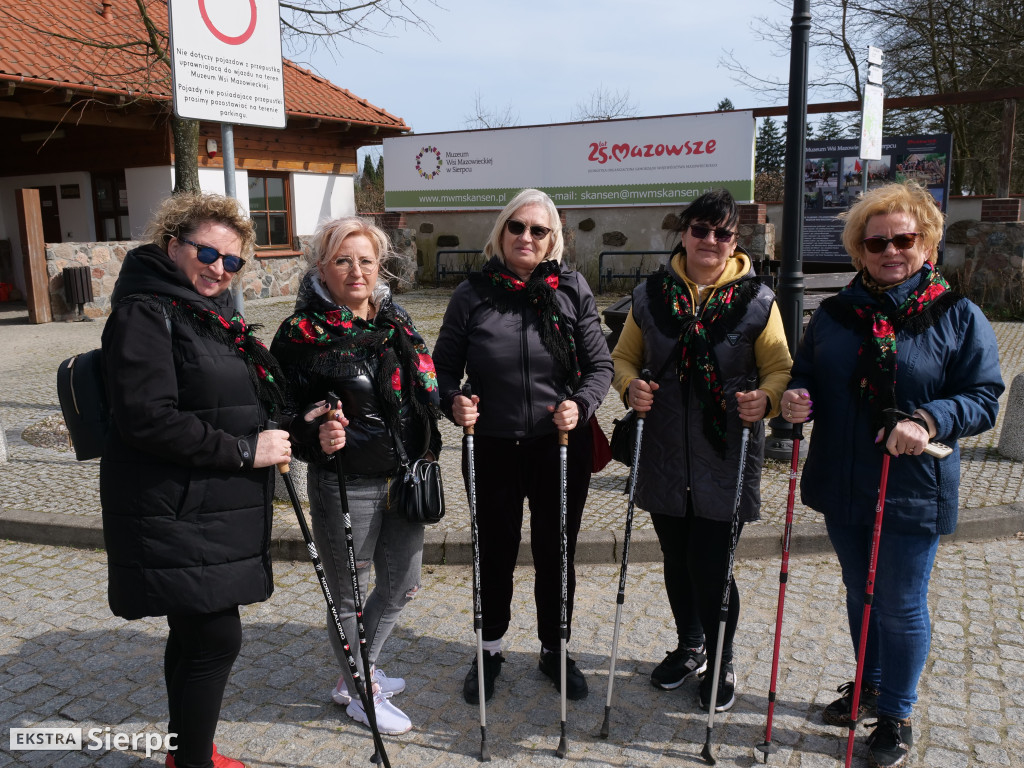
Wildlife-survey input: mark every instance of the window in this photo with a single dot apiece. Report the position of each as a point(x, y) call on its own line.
point(269, 208)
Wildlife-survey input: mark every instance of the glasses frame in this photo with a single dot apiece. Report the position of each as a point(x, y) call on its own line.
point(871, 243)
point(537, 232)
point(334, 263)
point(227, 258)
point(722, 235)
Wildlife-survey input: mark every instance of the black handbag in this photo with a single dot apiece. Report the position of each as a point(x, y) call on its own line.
point(624, 438)
point(420, 491)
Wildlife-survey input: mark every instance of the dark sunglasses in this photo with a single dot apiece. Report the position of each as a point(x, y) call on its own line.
point(722, 235)
point(902, 241)
point(208, 255)
point(517, 228)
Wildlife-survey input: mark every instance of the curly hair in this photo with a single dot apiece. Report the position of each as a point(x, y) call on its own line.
point(182, 214)
point(527, 197)
point(909, 198)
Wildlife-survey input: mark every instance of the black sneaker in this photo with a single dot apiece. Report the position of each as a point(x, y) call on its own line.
point(891, 742)
point(492, 668)
point(838, 712)
point(575, 684)
point(726, 689)
point(677, 666)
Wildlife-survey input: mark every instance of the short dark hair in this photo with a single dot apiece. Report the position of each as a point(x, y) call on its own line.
point(717, 207)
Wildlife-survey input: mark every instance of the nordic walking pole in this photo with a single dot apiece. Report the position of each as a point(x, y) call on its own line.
point(766, 747)
point(563, 623)
point(307, 537)
point(869, 592)
point(726, 590)
point(478, 614)
point(621, 596)
point(364, 652)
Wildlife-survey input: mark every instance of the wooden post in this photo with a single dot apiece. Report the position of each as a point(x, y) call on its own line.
point(33, 250)
point(1006, 153)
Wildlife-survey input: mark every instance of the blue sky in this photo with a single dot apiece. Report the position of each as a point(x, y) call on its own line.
point(542, 57)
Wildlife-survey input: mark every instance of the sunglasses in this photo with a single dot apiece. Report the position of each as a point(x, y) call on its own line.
point(517, 228)
point(902, 241)
point(722, 235)
point(208, 255)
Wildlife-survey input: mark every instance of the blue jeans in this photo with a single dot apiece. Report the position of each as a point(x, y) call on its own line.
point(380, 536)
point(899, 633)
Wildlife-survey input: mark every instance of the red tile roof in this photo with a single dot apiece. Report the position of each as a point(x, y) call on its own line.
point(41, 44)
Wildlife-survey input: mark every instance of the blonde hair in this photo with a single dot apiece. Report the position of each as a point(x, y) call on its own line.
point(330, 234)
point(527, 197)
point(180, 215)
point(909, 198)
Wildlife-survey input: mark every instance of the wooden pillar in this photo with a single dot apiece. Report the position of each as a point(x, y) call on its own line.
point(33, 250)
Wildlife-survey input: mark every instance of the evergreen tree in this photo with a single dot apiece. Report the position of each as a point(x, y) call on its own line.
point(724, 105)
point(830, 127)
point(369, 173)
point(771, 148)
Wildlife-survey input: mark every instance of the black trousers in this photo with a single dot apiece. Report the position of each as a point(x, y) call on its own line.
point(509, 472)
point(201, 648)
point(696, 552)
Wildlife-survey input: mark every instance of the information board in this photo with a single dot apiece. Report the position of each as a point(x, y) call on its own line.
point(834, 177)
point(226, 61)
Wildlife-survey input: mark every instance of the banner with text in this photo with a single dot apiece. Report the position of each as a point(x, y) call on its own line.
point(834, 177)
point(653, 161)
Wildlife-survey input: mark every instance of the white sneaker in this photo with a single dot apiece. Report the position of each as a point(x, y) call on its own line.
point(388, 686)
point(390, 719)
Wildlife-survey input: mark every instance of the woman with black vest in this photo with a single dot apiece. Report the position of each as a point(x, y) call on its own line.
point(712, 335)
point(185, 482)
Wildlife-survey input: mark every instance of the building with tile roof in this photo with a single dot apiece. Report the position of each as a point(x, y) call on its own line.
point(85, 117)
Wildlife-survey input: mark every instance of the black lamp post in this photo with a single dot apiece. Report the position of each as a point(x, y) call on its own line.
point(791, 276)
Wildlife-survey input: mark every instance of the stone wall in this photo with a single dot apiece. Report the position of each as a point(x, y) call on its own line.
point(990, 259)
point(262, 277)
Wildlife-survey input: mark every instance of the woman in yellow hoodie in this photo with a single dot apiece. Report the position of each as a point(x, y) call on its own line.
point(712, 335)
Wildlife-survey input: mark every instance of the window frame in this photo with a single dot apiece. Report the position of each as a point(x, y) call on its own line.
point(263, 176)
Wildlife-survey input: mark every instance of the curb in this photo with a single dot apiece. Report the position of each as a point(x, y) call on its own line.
point(592, 548)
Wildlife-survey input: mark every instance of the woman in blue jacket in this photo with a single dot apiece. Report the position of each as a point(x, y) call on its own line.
point(896, 338)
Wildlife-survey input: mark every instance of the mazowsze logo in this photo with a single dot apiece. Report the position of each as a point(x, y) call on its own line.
point(428, 162)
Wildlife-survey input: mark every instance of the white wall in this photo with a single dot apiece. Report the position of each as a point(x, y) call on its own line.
point(316, 197)
point(76, 215)
point(146, 188)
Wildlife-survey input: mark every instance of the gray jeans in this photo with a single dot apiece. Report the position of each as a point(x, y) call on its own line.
point(381, 537)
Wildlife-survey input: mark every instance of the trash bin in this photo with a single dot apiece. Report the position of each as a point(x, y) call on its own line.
point(77, 287)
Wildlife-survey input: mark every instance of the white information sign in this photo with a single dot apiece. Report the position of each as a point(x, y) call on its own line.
point(226, 61)
point(652, 161)
point(871, 123)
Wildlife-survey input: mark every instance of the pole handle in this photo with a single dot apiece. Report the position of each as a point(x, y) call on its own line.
point(467, 392)
point(284, 468)
point(645, 377)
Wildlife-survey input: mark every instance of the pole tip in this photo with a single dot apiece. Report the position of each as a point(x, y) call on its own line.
point(562, 748)
point(706, 752)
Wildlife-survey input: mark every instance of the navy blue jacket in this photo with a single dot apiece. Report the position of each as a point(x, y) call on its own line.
point(950, 370)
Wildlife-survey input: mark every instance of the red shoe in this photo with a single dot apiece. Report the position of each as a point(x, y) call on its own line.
point(219, 761)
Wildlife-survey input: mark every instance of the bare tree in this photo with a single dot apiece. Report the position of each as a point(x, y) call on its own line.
point(306, 25)
point(485, 117)
point(931, 46)
point(605, 105)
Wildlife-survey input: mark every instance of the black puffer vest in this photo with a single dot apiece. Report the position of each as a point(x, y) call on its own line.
point(676, 454)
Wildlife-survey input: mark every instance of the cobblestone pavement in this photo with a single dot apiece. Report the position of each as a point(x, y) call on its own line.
point(43, 479)
point(65, 662)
